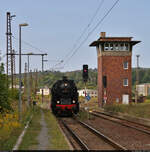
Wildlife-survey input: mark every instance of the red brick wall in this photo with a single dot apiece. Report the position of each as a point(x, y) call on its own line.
point(112, 67)
point(100, 81)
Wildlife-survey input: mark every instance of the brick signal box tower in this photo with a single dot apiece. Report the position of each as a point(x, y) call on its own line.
point(114, 68)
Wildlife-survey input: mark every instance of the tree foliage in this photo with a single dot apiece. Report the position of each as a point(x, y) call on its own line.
point(4, 94)
point(49, 78)
point(144, 75)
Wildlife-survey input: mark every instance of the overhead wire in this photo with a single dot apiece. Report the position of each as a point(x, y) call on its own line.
point(82, 34)
point(86, 28)
point(27, 43)
point(107, 13)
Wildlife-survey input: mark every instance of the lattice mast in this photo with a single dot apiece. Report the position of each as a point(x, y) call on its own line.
point(14, 68)
point(9, 52)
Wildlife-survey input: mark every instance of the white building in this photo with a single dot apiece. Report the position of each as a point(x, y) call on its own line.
point(15, 86)
point(143, 89)
point(90, 92)
point(46, 91)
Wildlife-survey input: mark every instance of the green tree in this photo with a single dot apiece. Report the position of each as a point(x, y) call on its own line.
point(4, 95)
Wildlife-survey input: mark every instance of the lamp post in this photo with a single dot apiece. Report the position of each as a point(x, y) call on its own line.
point(20, 101)
point(28, 82)
point(137, 79)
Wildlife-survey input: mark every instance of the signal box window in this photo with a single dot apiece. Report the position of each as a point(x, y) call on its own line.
point(106, 46)
point(125, 82)
point(111, 46)
point(116, 47)
point(126, 46)
point(121, 46)
point(125, 65)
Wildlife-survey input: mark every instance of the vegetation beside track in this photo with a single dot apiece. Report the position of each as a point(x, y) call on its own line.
point(10, 128)
point(30, 139)
point(8, 116)
point(138, 110)
point(57, 139)
point(90, 105)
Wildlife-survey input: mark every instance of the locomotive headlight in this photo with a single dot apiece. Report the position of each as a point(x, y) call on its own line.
point(73, 101)
point(58, 102)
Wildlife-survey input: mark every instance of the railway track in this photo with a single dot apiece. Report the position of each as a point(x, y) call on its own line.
point(87, 137)
point(124, 122)
point(128, 134)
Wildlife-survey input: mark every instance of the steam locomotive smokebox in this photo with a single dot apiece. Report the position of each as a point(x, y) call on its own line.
point(64, 97)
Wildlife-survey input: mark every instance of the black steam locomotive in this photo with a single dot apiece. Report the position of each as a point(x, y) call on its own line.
point(64, 97)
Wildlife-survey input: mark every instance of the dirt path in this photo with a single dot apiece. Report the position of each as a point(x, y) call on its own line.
point(43, 137)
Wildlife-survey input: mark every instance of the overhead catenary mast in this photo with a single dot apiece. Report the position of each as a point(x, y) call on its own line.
point(32, 54)
point(14, 69)
point(9, 59)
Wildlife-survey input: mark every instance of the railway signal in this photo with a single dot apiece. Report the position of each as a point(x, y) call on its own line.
point(85, 73)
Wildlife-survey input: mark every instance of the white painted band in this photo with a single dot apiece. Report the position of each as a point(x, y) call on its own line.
point(21, 136)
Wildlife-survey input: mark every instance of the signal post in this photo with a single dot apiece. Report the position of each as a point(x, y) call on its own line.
point(85, 75)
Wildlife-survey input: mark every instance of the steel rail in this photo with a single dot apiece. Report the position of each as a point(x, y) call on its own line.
point(107, 139)
point(78, 140)
point(141, 130)
point(146, 126)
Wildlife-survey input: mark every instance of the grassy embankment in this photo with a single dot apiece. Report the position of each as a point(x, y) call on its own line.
point(86, 106)
point(138, 110)
point(56, 139)
point(90, 105)
point(30, 141)
point(10, 128)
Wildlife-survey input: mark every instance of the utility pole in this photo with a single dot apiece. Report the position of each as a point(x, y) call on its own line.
point(28, 86)
point(137, 79)
point(25, 80)
point(43, 73)
point(32, 54)
point(36, 81)
point(9, 59)
point(31, 84)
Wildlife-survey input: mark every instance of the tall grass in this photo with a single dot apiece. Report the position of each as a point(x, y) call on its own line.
point(10, 128)
point(30, 141)
point(138, 110)
point(57, 140)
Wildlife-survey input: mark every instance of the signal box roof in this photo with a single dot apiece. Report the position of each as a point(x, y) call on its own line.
point(104, 39)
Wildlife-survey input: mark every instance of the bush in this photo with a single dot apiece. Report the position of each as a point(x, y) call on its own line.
point(138, 110)
point(4, 94)
point(14, 94)
point(148, 97)
point(115, 108)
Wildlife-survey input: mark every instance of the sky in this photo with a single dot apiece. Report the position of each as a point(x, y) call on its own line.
point(55, 27)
